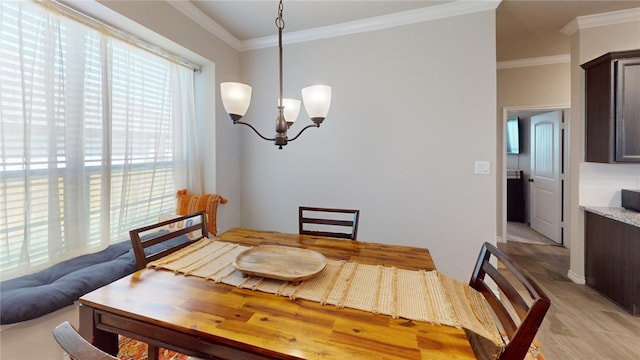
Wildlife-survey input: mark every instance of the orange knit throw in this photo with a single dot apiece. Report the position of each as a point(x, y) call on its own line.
point(190, 203)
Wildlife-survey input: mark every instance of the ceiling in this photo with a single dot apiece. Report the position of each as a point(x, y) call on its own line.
point(524, 28)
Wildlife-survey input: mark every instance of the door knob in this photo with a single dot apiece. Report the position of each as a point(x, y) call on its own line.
point(530, 180)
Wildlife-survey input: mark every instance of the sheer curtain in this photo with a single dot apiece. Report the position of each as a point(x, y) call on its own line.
point(96, 136)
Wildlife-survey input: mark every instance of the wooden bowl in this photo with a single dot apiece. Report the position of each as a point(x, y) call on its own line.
point(280, 262)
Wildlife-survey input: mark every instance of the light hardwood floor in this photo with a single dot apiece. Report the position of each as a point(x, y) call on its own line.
point(581, 323)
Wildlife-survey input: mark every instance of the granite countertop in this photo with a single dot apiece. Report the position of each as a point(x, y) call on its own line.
point(616, 213)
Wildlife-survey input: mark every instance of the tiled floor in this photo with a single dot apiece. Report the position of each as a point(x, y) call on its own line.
point(581, 323)
point(520, 232)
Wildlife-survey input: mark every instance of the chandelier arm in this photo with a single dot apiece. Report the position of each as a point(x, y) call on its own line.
point(255, 130)
point(303, 129)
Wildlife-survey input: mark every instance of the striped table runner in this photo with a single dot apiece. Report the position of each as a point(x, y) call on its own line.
point(427, 296)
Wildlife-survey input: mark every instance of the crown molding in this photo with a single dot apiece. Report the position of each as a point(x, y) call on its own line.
point(537, 61)
point(200, 18)
point(610, 18)
point(445, 10)
point(441, 11)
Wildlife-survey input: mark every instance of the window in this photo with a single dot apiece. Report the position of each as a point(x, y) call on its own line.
point(91, 137)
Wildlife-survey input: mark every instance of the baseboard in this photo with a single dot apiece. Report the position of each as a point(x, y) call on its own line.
point(576, 278)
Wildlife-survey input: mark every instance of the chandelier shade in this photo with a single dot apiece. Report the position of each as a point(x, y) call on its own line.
point(317, 100)
point(291, 110)
point(235, 98)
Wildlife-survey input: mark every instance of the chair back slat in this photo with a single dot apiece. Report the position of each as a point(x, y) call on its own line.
point(151, 242)
point(309, 220)
point(520, 305)
point(502, 313)
point(506, 288)
point(338, 223)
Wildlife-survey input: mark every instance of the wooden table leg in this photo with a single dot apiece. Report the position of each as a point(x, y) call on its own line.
point(106, 341)
point(152, 352)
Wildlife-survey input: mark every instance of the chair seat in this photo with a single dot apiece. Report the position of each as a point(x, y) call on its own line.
point(534, 351)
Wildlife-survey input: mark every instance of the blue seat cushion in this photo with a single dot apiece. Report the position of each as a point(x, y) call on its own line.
point(34, 295)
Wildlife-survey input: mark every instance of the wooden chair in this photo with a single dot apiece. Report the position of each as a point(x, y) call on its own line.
point(342, 224)
point(149, 246)
point(155, 241)
point(520, 306)
point(76, 346)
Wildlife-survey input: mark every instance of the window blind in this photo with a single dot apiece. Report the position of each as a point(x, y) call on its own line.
point(88, 138)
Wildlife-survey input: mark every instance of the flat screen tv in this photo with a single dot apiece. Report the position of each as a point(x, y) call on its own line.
point(513, 136)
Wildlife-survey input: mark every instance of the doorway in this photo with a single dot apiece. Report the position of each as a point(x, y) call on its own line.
point(519, 164)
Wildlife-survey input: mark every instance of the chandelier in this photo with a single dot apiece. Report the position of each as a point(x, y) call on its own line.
point(317, 99)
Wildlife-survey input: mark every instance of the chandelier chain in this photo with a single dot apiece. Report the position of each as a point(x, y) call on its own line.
point(279, 19)
point(280, 26)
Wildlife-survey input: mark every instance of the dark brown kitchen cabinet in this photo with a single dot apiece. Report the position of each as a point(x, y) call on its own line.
point(612, 84)
point(515, 197)
point(612, 264)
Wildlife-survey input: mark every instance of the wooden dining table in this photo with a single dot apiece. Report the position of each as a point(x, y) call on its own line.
point(213, 320)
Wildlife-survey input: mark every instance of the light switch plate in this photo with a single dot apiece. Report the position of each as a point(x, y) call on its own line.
point(483, 167)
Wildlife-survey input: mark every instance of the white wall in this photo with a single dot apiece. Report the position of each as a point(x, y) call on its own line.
point(406, 105)
point(410, 114)
point(600, 184)
point(531, 86)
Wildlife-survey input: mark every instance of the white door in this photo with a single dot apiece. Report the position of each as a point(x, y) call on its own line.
point(545, 182)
